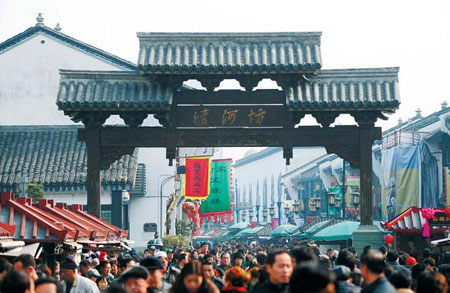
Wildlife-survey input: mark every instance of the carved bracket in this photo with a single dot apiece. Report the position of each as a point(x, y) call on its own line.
point(210, 82)
point(109, 155)
point(325, 118)
point(249, 81)
point(368, 118)
point(164, 119)
point(348, 153)
point(286, 81)
point(88, 118)
point(134, 119)
point(295, 117)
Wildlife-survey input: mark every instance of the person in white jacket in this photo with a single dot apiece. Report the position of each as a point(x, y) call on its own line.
point(72, 282)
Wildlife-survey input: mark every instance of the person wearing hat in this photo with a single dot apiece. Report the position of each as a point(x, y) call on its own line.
point(156, 274)
point(238, 259)
point(152, 250)
point(136, 279)
point(344, 280)
point(73, 282)
point(162, 255)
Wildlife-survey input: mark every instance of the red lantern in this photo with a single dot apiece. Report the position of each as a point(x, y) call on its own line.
point(389, 239)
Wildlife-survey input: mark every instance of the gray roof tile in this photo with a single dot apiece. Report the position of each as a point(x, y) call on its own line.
point(53, 156)
point(110, 90)
point(229, 52)
point(366, 89)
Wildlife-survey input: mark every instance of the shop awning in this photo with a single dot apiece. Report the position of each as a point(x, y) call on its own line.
point(283, 230)
point(238, 226)
point(340, 231)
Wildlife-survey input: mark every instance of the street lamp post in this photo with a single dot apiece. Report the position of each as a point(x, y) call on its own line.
point(161, 203)
point(265, 215)
point(250, 215)
point(279, 212)
point(272, 212)
point(287, 212)
point(244, 215)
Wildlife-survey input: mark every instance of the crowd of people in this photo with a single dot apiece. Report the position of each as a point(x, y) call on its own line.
point(232, 268)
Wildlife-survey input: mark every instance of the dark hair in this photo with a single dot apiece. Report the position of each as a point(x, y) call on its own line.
point(352, 250)
point(428, 282)
point(45, 281)
point(446, 258)
point(374, 261)
point(238, 255)
point(123, 261)
point(204, 243)
point(303, 254)
point(366, 249)
point(205, 262)
point(392, 255)
point(426, 253)
point(273, 254)
point(27, 260)
point(181, 256)
point(383, 249)
point(309, 278)
point(5, 265)
point(101, 278)
point(400, 279)
point(416, 270)
point(103, 263)
point(85, 263)
point(261, 259)
point(402, 259)
point(15, 281)
point(429, 262)
point(346, 258)
point(223, 253)
point(190, 268)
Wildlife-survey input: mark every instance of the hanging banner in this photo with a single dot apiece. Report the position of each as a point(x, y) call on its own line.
point(352, 187)
point(196, 184)
point(218, 203)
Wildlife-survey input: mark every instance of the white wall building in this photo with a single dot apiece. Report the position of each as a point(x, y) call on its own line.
point(29, 81)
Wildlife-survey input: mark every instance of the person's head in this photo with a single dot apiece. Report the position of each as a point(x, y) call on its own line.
point(26, 263)
point(392, 256)
point(207, 269)
point(426, 253)
point(309, 278)
point(162, 255)
point(417, 270)
point(237, 277)
point(152, 250)
point(431, 282)
point(46, 285)
point(104, 268)
point(279, 266)
point(366, 249)
point(400, 279)
point(303, 255)
point(261, 259)
point(155, 271)
point(204, 247)
point(429, 263)
point(5, 267)
point(114, 268)
point(372, 266)
point(238, 259)
point(93, 275)
point(16, 281)
point(84, 266)
point(68, 270)
point(125, 263)
point(225, 259)
point(191, 277)
point(102, 283)
point(353, 250)
point(182, 259)
point(330, 253)
point(342, 273)
point(146, 253)
point(136, 279)
point(194, 255)
point(383, 250)
point(346, 258)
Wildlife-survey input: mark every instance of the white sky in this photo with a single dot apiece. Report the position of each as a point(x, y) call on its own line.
point(414, 35)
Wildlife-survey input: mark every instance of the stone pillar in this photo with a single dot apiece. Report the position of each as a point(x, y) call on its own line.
point(93, 170)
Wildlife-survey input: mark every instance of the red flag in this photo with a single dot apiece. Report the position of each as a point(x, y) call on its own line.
point(197, 178)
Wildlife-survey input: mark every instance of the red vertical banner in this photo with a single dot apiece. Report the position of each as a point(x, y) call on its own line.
point(196, 185)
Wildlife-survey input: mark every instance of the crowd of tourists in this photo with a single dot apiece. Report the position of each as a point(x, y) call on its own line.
point(232, 268)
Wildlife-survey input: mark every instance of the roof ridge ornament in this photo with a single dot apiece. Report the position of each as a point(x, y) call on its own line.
point(40, 20)
point(57, 27)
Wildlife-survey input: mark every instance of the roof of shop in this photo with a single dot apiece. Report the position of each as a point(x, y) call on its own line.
point(54, 157)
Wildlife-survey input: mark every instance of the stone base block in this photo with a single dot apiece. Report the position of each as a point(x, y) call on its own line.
point(367, 235)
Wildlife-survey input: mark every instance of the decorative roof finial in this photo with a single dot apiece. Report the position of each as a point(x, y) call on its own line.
point(444, 105)
point(40, 20)
point(57, 27)
point(400, 121)
point(418, 113)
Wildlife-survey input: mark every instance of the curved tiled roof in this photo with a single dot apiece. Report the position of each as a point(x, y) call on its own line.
point(111, 91)
point(53, 156)
point(68, 40)
point(234, 53)
point(359, 89)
